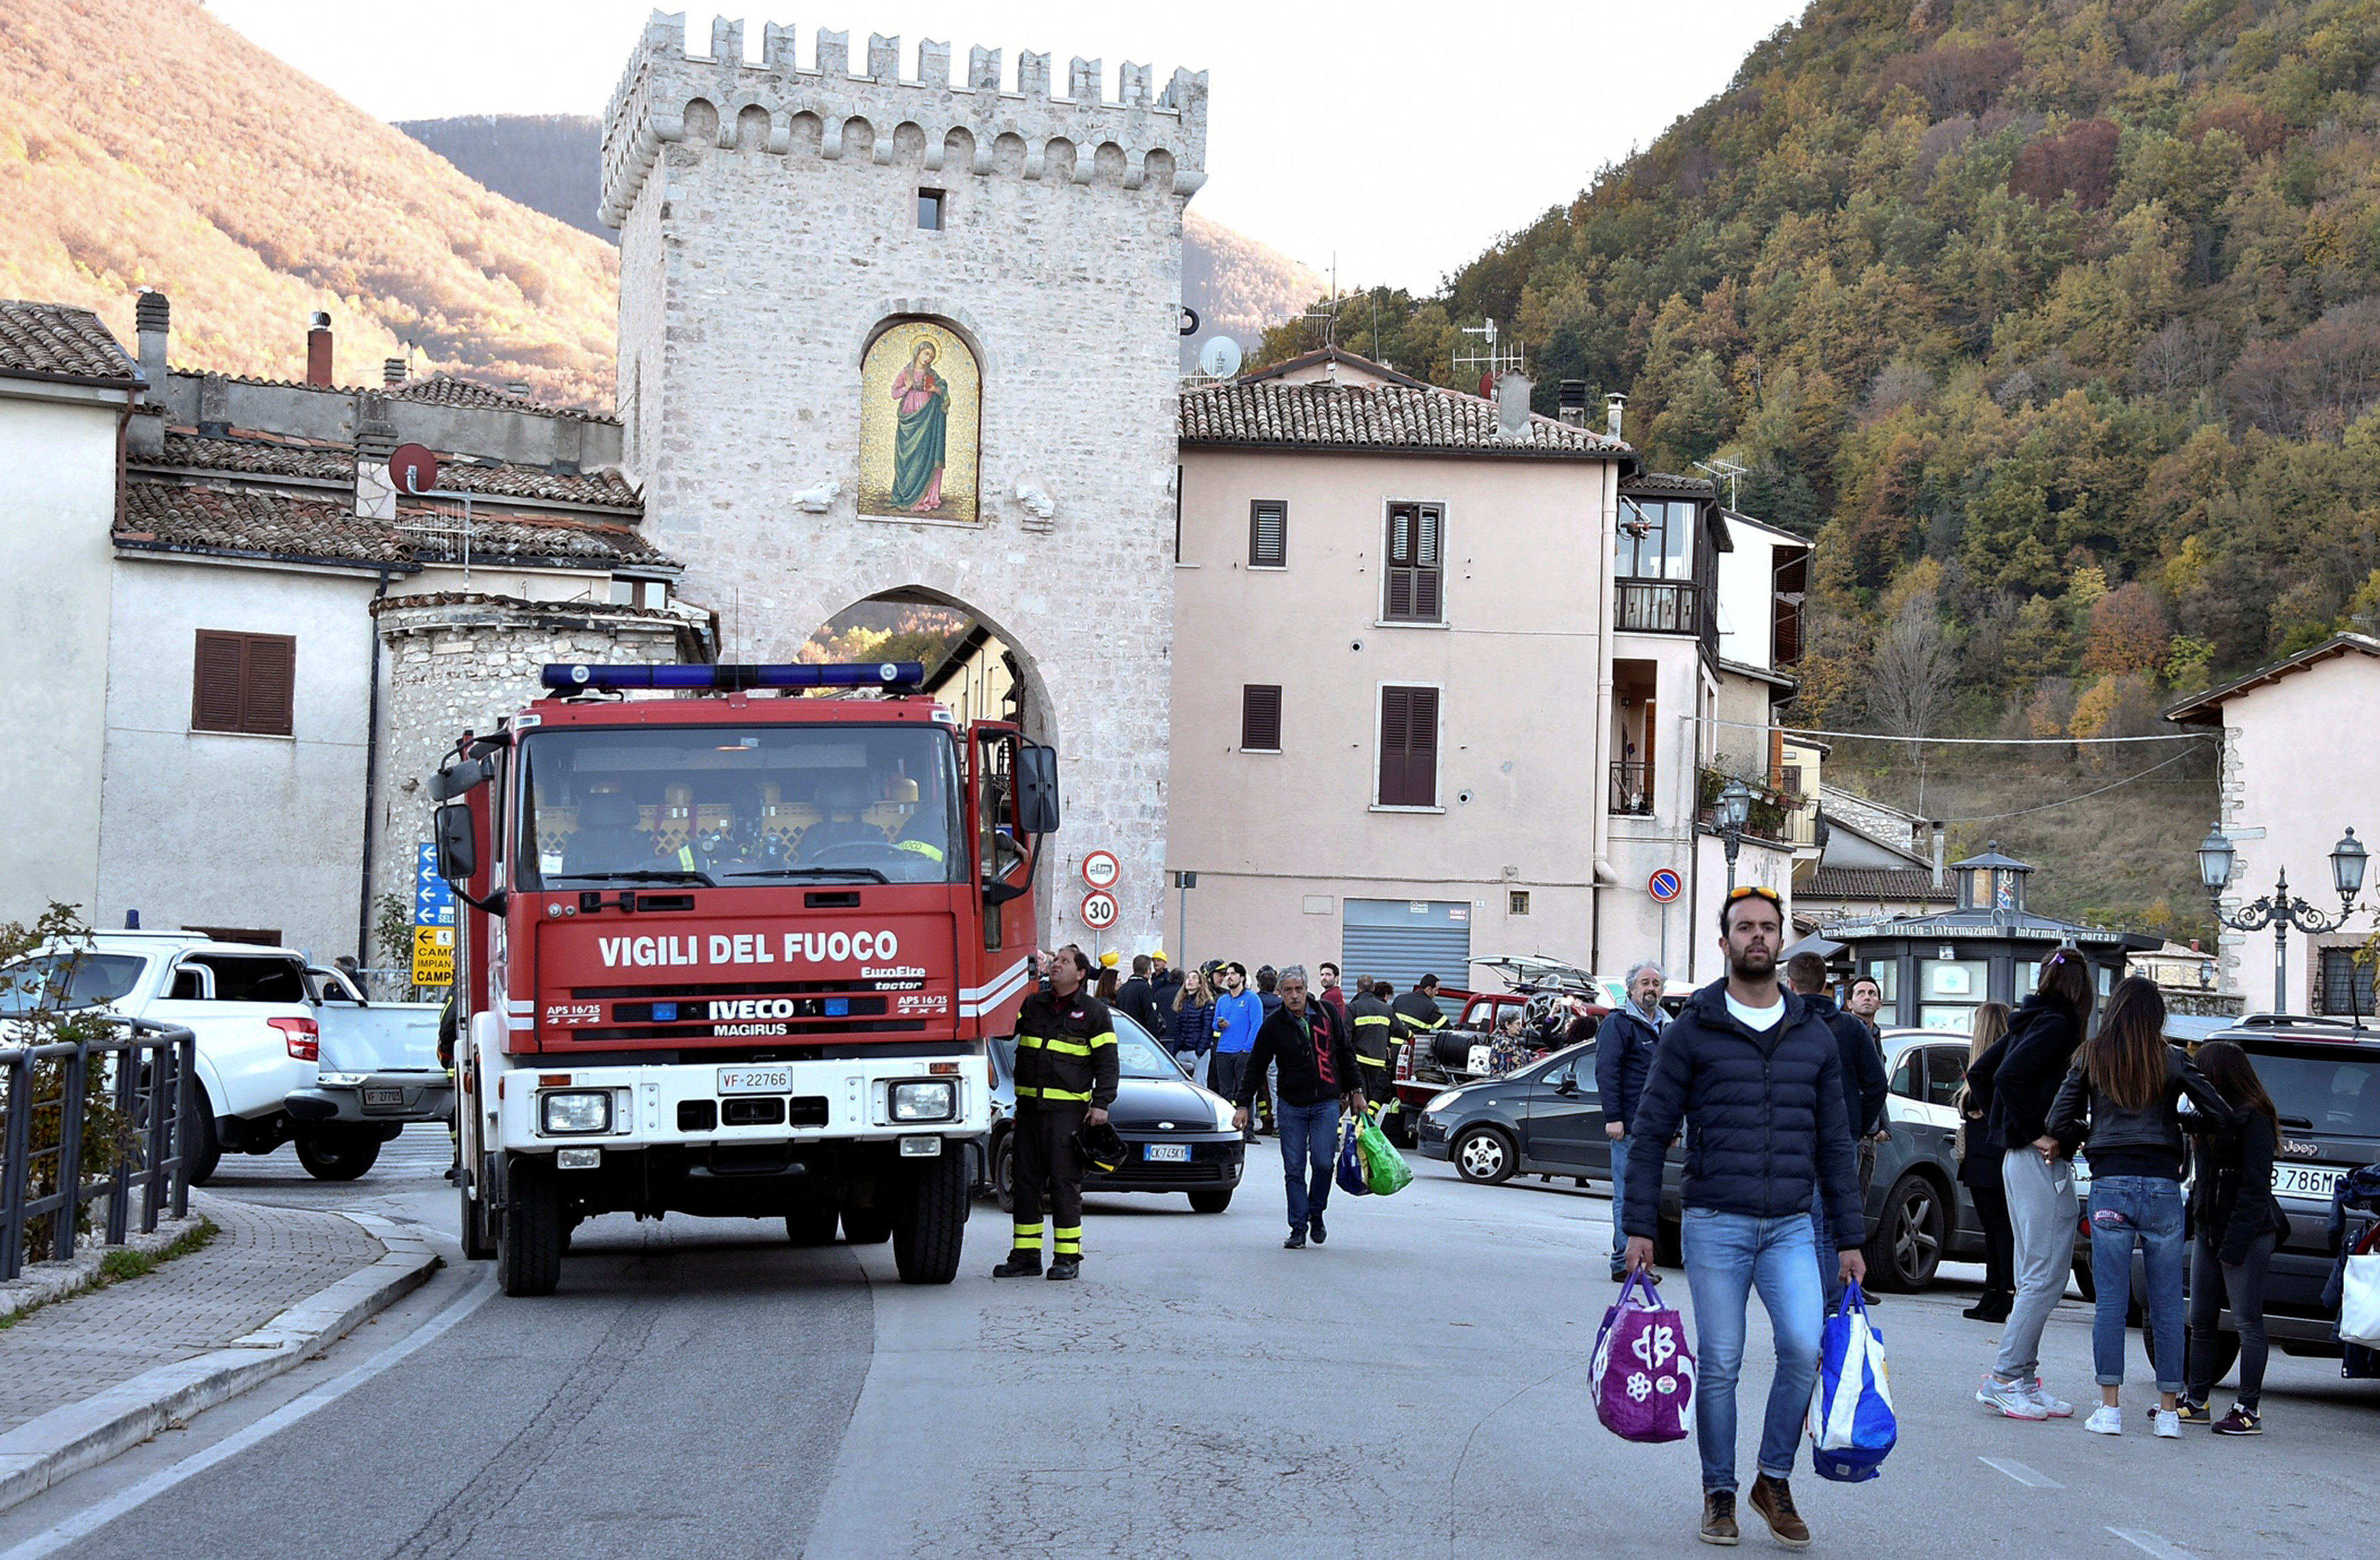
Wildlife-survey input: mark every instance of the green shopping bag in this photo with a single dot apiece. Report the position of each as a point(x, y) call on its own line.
point(1383, 1166)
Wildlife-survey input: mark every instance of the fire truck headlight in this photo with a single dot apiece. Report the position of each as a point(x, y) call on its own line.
point(577, 1112)
point(924, 1101)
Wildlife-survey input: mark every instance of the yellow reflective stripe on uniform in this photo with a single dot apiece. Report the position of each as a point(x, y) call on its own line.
point(932, 852)
point(1030, 1042)
point(1083, 1097)
point(1027, 1238)
point(1106, 1037)
point(1066, 1241)
point(1374, 1018)
point(1065, 1047)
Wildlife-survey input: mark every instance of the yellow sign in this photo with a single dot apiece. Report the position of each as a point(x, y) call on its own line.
point(433, 955)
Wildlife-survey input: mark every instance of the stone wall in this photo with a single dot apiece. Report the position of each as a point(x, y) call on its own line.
point(456, 662)
point(769, 232)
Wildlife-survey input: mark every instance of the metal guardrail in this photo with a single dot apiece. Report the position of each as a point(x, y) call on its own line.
point(154, 1064)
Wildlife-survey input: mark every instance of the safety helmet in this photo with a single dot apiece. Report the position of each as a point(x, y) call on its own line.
point(1110, 959)
point(1101, 1149)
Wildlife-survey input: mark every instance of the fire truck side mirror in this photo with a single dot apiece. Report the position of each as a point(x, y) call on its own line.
point(457, 779)
point(1036, 789)
point(458, 844)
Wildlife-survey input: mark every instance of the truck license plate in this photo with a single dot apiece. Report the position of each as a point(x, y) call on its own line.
point(756, 1081)
point(1166, 1154)
point(2312, 1181)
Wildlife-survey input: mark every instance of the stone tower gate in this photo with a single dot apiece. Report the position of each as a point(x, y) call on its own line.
point(791, 239)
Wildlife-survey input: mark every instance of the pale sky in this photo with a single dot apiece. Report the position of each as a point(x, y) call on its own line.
point(1400, 138)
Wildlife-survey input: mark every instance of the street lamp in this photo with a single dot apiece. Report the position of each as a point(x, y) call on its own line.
point(2280, 909)
point(1734, 811)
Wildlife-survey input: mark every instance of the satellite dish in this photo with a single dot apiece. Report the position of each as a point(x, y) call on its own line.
point(1220, 358)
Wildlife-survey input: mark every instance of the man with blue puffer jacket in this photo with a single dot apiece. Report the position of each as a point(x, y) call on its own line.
point(1758, 1076)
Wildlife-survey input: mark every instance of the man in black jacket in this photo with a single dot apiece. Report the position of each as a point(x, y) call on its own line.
point(1136, 998)
point(1864, 1091)
point(1318, 1075)
point(1624, 1054)
point(1758, 1076)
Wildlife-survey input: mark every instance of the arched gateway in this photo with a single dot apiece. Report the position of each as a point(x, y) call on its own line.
point(883, 336)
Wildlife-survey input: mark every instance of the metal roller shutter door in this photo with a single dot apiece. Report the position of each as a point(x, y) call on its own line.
point(1389, 939)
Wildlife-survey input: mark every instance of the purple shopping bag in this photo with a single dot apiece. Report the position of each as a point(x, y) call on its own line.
point(1643, 1374)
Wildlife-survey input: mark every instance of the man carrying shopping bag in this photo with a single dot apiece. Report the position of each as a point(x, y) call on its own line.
point(1759, 1079)
point(1318, 1079)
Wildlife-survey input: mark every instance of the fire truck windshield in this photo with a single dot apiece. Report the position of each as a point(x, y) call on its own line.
point(740, 806)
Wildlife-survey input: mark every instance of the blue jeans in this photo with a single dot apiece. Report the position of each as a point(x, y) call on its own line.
point(1619, 1199)
point(1309, 1145)
point(1726, 1256)
point(2146, 1209)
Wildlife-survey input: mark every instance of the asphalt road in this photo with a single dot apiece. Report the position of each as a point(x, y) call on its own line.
point(1416, 1387)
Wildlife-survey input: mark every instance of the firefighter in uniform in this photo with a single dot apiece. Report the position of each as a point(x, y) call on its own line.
point(1065, 1077)
point(1418, 1009)
point(1378, 1033)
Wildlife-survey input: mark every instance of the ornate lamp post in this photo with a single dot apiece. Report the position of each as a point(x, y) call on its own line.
point(2280, 909)
point(1734, 811)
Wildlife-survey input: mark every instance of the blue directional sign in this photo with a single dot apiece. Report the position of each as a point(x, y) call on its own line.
point(433, 902)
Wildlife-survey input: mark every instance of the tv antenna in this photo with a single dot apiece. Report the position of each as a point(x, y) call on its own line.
point(1490, 357)
point(1716, 468)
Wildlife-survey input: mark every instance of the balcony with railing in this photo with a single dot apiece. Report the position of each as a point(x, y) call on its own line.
point(1632, 788)
point(1662, 607)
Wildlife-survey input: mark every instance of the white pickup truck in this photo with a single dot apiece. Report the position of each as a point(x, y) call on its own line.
point(287, 1052)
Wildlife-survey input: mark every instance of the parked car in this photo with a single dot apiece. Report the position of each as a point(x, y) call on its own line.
point(286, 1053)
point(2323, 1075)
point(1179, 1135)
point(1547, 1119)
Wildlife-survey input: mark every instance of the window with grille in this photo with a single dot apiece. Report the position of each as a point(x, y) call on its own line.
point(1517, 901)
point(244, 683)
point(1408, 746)
point(1260, 718)
point(2345, 983)
point(1416, 546)
point(1268, 534)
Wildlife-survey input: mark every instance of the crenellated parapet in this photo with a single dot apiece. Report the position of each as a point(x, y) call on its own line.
point(830, 111)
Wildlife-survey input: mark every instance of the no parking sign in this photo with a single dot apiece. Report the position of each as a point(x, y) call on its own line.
point(1665, 884)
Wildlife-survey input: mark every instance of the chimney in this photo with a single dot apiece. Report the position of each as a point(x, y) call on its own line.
point(375, 442)
point(318, 350)
point(517, 388)
point(153, 319)
point(1573, 402)
point(1513, 406)
point(392, 370)
point(1941, 859)
point(1612, 404)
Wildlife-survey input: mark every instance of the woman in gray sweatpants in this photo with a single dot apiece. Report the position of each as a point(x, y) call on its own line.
point(2038, 1175)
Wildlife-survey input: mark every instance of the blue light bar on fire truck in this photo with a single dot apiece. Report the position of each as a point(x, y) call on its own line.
point(894, 677)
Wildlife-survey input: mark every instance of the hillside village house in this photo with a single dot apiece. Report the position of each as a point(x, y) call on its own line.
point(2299, 738)
point(243, 649)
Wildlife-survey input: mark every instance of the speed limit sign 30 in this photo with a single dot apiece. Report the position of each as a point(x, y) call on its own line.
point(1099, 910)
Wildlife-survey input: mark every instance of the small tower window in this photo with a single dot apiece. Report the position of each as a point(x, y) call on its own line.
point(930, 208)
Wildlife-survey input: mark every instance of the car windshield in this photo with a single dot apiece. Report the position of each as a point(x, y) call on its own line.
point(2329, 1089)
point(740, 806)
point(66, 980)
point(1137, 1055)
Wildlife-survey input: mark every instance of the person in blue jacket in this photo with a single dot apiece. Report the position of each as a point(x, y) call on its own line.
point(1757, 1074)
point(1238, 1015)
point(1624, 1054)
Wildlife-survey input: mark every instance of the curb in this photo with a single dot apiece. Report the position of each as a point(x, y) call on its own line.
point(65, 1441)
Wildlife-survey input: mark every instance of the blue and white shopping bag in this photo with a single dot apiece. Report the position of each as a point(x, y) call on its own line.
point(1852, 1427)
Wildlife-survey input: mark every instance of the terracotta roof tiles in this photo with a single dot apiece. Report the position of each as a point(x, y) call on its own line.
point(1390, 418)
point(55, 341)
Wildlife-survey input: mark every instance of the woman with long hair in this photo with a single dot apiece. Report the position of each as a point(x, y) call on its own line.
point(2043, 1034)
point(1190, 1026)
point(2238, 1223)
point(2123, 1099)
point(1979, 1166)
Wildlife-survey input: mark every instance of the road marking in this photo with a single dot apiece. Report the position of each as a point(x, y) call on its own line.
point(2149, 1544)
point(51, 1540)
point(2032, 1478)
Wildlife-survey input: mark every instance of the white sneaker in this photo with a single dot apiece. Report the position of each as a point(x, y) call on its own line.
point(2166, 1423)
point(2057, 1407)
point(2010, 1398)
point(2107, 1421)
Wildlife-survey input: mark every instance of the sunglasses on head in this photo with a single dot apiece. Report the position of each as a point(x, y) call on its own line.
point(1753, 890)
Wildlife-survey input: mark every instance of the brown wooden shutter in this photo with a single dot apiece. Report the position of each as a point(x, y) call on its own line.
point(1408, 746)
point(244, 683)
point(271, 680)
point(1260, 718)
point(1268, 534)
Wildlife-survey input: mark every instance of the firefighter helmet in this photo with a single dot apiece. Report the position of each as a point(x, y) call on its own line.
point(1101, 1149)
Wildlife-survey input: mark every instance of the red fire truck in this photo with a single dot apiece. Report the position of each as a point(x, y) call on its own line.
point(732, 950)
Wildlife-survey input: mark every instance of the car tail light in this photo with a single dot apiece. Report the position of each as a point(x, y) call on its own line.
point(301, 1036)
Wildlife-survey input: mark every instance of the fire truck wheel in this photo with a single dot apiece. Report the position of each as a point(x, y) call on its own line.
point(528, 1253)
point(926, 1237)
point(866, 1226)
point(333, 1153)
point(811, 1226)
